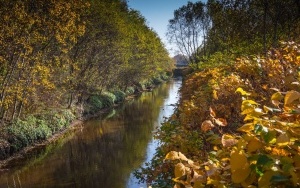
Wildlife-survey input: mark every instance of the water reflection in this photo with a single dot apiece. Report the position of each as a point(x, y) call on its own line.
point(104, 152)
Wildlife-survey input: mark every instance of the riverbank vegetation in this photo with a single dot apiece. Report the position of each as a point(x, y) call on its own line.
point(65, 59)
point(237, 123)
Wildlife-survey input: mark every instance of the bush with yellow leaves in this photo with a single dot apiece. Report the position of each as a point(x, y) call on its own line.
point(233, 138)
point(266, 154)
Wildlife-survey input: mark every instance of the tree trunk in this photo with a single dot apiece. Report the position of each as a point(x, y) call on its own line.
point(264, 27)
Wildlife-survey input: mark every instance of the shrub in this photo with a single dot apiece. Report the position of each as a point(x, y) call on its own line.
point(129, 91)
point(120, 96)
point(37, 128)
point(157, 80)
point(98, 102)
point(25, 132)
point(108, 99)
point(165, 76)
point(57, 119)
point(95, 103)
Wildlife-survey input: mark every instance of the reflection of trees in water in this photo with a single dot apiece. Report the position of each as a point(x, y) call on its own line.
point(103, 154)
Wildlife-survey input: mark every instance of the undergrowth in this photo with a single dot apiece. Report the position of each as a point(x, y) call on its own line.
point(237, 125)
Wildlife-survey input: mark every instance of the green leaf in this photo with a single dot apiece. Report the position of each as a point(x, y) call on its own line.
point(257, 128)
point(269, 136)
point(264, 160)
point(279, 178)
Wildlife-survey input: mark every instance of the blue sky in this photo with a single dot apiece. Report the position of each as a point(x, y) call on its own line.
point(157, 14)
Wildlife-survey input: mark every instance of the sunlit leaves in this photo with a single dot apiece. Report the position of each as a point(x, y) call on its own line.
point(52, 52)
point(240, 168)
point(290, 97)
point(173, 155)
point(207, 125)
point(242, 92)
point(261, 151)
point(254, 144)
point(246, 127)
point(179, 170)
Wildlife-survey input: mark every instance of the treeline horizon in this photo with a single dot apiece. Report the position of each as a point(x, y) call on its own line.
point(57, 53)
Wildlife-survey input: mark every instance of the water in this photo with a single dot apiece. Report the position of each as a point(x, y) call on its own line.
point(104, 152)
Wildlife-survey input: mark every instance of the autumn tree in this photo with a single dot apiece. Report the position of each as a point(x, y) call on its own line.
point(58, 53)
point(251, 26)
point(188, 29)
point(32, 33)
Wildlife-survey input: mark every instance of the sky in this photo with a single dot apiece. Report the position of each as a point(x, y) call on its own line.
point(158, 13)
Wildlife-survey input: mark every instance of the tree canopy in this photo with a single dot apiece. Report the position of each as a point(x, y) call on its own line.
point(56, 53)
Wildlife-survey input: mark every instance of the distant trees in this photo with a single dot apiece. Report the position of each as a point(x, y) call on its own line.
point(56, 53)
point(233, 26)
point(188, 28)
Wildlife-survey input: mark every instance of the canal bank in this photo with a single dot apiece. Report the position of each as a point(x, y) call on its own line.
point(104, 152)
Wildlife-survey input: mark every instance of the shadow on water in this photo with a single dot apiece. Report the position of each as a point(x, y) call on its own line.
point(104, 153)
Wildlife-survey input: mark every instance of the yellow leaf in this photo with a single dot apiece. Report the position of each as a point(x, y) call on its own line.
point(237, 159)
point(173, 155)
point(254, 144)
point(179, 170)
point(290, 97)
point(247, 111)
point(277, 96)
point(215, 94)
point(239, 175)
point(248, 127)
point(249, 102)
point(264, 181)
point(242, 92)
point(242, 144)
point(239, 166)
point(249, 117)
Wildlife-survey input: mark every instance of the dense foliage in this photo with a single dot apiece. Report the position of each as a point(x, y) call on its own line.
point(58, 53)
point(62, 58)
point(230, 26)
point(237, 123)
point(236, 126)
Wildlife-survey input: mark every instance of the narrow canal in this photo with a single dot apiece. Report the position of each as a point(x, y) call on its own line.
point(104, 152)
